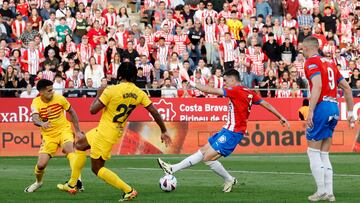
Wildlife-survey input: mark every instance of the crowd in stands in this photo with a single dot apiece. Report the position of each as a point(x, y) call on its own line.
point(80, 44)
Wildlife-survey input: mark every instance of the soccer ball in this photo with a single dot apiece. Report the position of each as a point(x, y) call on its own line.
point(168, 183)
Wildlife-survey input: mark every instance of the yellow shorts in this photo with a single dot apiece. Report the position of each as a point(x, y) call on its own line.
point(49, 145)
point(100, 144)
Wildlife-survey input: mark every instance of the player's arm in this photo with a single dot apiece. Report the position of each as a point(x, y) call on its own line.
point(158, 119)
point(38, 122)
point(315, 95)
point(349, 100)
point(97, 105)
point(75, 121)
point(270, 108)
point(207, 89)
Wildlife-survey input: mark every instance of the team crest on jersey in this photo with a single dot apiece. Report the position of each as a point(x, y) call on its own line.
point(222, 139)
point(312, 66)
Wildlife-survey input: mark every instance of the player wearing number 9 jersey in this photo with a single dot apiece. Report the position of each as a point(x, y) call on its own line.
point(324, 78)
point(224, 142)
point(117, 103)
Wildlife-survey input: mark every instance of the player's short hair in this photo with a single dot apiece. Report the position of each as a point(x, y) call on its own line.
point(312, 41)
point(234, 73)
point(127, 71)
point(43, 83)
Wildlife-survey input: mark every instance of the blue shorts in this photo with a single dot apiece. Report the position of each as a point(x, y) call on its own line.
point(326, 115)
point(225, 141)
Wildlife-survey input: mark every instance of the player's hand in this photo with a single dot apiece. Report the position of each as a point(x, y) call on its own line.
point(46, 125)
point(351, 121)
point(166, 138)
point(79, 135)
point(284, 122)
point(309, 120)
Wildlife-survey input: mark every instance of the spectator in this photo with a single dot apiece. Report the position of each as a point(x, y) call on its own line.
point(59, 84)
point(94, 72)
point(72, 93)
point(45, 12)
point(48, 73)
point(130, 53)
point(328, 23)
point(61, 11)
point(140, 79)
point(269, 83)
point(123, 17)
point(305, 19)
point(288, 52)
point(54, 47)
point(89, 90)
point(26, 80)
point(28, 35)
point(263, 8)
point(32, 59)
point(95, 33)
point(11, 81)
point(30, 92)
point(356, 89)
point(248, 77)
point(227, 52)
point(277, 9)
point(271, 48)
point(292, 7)
point(5, 12)
point(354, 78)
point(284, 92)
point(35, 20)
point(168, 91)
point(51, 60)
point(154, 92)
point(196, 36)
point(184, 91)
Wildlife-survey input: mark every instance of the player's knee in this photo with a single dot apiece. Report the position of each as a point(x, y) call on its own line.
point(41, 165)
point(95, 169)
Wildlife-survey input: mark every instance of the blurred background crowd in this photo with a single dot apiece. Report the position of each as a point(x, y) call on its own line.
point(79, 44)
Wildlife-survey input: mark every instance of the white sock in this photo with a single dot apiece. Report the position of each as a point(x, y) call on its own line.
point(317, 169)
point(188, 161)
point(219, 169)
point(328, 172)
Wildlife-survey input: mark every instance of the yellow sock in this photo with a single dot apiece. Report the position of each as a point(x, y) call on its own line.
point(39, 174)
point(111, 178)
point(77, 166)
point(71, 157)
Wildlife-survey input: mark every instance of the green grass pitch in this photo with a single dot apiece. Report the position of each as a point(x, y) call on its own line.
point(262, 178)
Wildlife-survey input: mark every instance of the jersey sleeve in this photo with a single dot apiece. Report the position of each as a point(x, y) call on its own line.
point(34, 107)
point(256, 99)
point(105, 96)
point(231, 92)
point(312, 69)
point(339, 76)
point(64, 103)
point(145, 101)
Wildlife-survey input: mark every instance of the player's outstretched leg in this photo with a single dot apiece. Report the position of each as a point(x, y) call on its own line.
point(219, 169)
point(39, 172)
point(317, 169)
point(186, 163)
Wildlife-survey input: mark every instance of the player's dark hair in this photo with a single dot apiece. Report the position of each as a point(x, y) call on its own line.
point(305, 102)
point(43, 83)
point(234, 73)
point(127, 71)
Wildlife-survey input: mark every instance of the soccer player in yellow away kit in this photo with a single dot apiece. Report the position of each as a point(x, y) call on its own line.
point(48, 114)
point(117, 102)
